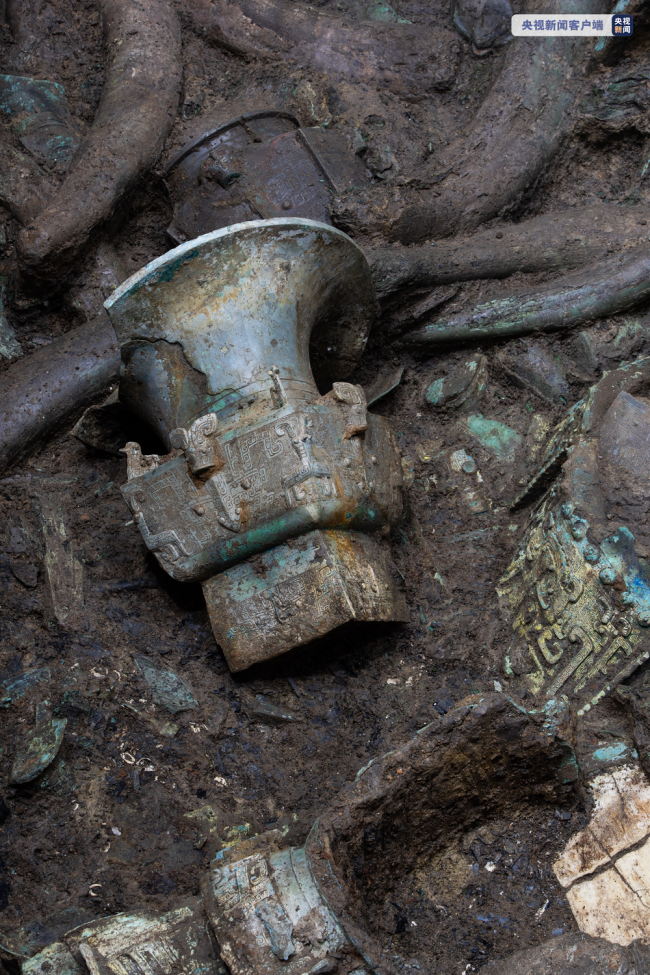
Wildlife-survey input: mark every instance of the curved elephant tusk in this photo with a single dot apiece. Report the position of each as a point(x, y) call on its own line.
point(39, 392)
point(138, 107)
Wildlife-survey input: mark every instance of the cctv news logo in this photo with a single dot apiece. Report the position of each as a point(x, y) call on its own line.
point(573, 25)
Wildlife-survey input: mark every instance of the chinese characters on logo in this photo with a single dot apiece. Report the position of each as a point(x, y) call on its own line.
point(578, 25)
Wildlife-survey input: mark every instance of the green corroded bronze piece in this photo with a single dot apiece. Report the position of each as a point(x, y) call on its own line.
point(219, 338)
point(266, 908)
point(608, 289)
point(39, 749)
point(299, 591)
point(37, 112)
point(578, 592)
point(462, 386)
point(13, 688)
point(272, 909)
point(138, 943)
point(167, 688)
point(498, 439)
point(578, 636)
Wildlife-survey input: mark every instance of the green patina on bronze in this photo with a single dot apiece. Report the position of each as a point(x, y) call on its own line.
point(13, 688)
point(497, 438)
point(226, 343)
point(607, 289)
point(167, 688)
point(37, 112)
point(38, 751)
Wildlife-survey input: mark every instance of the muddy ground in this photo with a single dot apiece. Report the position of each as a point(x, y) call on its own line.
point(113, 808)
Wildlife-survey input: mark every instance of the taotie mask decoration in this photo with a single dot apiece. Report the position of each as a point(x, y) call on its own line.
point(270, 488)
point(578, 593)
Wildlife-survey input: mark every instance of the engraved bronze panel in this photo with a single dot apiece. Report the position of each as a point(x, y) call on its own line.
point(578, 592)
point(299, 591)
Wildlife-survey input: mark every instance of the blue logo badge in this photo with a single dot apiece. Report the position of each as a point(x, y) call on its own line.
point(622, 25)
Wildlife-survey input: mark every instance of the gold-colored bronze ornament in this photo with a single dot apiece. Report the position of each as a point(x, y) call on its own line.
point(578, 592)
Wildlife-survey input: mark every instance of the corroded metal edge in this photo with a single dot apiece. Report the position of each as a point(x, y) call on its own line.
point(144, 275)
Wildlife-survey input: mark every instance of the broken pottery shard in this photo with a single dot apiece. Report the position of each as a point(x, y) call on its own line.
point(258, 165)
point(265, 710)
point(578, 593)
point(383, 385)
point(298, 592)
point(257, 456)
point(13, 688)
point(167, 688)
point(38, 751)
point(462, 386)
